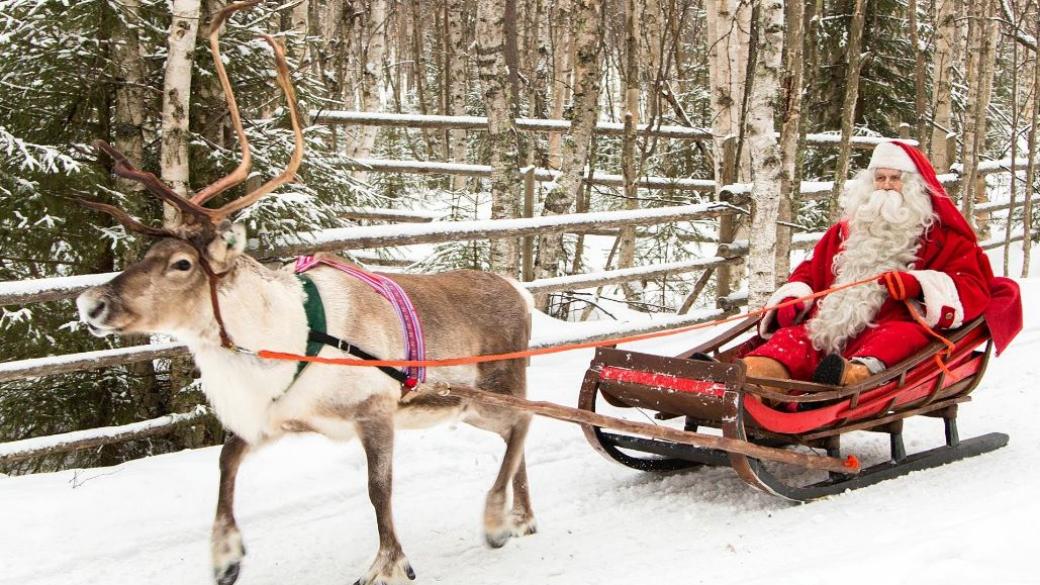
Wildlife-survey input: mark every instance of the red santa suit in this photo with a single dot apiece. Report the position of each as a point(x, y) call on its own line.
point(954, 275)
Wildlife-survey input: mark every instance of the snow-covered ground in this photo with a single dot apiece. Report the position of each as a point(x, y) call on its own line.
point(304, 511)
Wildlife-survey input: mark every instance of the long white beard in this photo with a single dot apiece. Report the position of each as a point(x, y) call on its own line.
point(884, 233)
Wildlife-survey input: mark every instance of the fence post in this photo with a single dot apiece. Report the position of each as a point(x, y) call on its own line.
point(904, 130)
point(727, 222)
point(528, 241)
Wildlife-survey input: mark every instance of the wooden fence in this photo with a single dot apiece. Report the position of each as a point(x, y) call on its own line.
point(420, 227)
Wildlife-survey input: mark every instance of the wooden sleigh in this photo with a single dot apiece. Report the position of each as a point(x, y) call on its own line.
point(707, 387)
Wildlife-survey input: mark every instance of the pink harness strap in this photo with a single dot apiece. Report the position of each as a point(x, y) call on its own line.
point(391, 291)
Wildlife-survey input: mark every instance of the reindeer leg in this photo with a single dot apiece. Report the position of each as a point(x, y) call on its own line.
point(226, 540)
point(523, 515)
point(376, 431)
point(498, 528)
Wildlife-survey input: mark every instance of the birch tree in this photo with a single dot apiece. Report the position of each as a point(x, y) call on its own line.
point(981, 57)
point(371, 75)
point(728, 27)
point(502, 140)
point(765, 153)
point(943, 66)
point(176, 97)
point(790, 133)
point(588, 39)
point(848, 108)
point(563, 68)
point(456, 75)
point(629, 165)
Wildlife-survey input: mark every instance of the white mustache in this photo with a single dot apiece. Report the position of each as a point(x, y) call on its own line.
point(888, 205)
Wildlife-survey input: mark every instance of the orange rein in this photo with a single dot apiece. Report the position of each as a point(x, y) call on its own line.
point(478, 359)
point(896, 290)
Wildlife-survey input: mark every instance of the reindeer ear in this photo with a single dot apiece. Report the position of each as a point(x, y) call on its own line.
point(229, 243)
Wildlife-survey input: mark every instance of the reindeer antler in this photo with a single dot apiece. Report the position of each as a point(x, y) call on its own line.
point(129, 222)
point(193, 207)
point(289, 173)
point(240, 173)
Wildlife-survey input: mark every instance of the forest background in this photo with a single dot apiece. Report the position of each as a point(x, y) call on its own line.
point(960, 77)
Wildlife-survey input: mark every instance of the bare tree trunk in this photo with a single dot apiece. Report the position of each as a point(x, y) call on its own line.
point(848, 111)
point(456, 74)
point(627, 235)
point(920, 99)
point(790, 134)
point(563, 67)
point(502, 140)
point(765, 154)
point(943, 64)
point(1027, 208)
point(173, 159)
point(1014, 155)
point(429, 138)
point(728, 31)
point(728, 24)
point(372, 76)
point(980, 66)
point(213, 119)
point(588, 38)
point(129, 114)
point(539, 59)
point(299, 23)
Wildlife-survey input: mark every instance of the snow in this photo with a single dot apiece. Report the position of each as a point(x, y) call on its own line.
point(304, 511)
point(13, 290)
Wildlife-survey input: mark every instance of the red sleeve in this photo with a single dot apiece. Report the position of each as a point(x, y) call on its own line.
point(817, 270)
point(953, 281)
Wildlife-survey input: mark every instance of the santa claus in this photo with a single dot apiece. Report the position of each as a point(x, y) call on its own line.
point(898, 223)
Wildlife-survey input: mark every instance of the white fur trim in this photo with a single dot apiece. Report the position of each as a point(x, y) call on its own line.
point(789, 289)
point(939, 291)
point(888, 155)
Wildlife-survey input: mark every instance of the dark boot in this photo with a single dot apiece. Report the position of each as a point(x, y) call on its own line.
point(838, 371)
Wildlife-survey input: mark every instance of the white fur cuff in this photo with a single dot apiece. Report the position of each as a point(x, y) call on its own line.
point(789, 289)
point(942, 303)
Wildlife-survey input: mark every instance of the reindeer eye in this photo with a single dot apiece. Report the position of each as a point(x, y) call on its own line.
point(182, 265)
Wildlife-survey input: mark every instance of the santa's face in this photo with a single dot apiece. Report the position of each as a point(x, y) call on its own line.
point(888, 180)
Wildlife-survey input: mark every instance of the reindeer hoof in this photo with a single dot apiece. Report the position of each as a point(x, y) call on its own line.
point(524, 527)
point(228, 551)
point(228, 574)
point(388, 573)
point(497, 539)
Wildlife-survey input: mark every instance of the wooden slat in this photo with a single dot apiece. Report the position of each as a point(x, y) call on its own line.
point(584, 417)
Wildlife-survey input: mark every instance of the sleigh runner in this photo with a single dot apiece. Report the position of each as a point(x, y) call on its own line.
point(707, 386)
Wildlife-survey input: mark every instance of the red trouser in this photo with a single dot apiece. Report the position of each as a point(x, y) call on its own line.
point(890, 342)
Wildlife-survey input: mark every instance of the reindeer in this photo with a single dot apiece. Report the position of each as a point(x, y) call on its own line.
point(196, 284)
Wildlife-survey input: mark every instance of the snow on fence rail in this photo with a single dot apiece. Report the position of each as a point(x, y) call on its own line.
point(85, 439)
point(398, 215)
point(341, 117)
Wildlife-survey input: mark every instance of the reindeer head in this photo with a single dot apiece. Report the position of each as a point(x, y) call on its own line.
point(169, 289)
